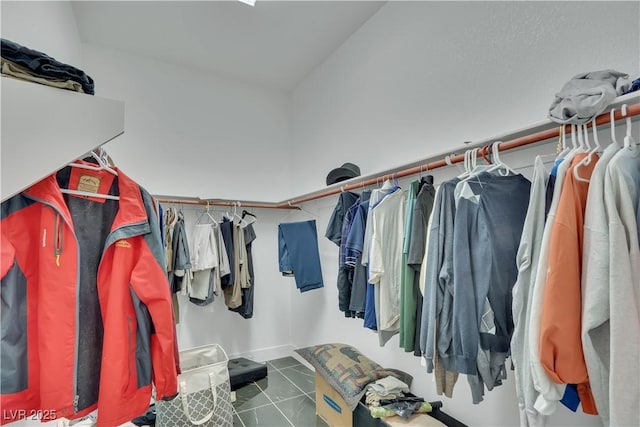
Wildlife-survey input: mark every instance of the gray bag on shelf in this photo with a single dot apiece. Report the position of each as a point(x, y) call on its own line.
point(204, 397)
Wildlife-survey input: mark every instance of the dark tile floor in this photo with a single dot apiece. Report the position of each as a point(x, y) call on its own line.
point(285, 398)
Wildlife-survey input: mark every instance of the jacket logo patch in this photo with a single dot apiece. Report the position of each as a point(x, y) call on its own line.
point(89, 183)
point(123, 244)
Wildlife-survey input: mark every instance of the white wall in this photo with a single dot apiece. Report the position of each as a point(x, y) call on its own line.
point(189, 133)
point(47, 26)
point(419, 78)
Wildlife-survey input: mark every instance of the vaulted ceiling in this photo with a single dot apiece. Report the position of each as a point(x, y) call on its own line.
point(274, 44)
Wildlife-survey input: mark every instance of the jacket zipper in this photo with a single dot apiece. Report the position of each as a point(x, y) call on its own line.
point(129, 342)
point(58, 236)
point(58, 239)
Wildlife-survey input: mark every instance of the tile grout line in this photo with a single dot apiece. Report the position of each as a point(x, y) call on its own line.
point(274, 404)
point(238, 416)
point(267, 404)
point(294, 384)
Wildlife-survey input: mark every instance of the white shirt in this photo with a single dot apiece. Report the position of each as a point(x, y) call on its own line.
point(385, 263)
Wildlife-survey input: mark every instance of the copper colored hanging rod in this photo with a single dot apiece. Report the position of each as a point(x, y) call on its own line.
point(545, 135)
point(219, 202)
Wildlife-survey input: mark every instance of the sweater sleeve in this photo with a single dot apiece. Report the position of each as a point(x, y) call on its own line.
point(465, 333)
point(550, 392)
point(560, 342)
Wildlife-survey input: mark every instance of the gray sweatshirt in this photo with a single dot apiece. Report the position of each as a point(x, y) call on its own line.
point(438, 294)
point(622, 190)
point(527, 259)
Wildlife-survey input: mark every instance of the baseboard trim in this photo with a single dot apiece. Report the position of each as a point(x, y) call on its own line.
point(267, 353)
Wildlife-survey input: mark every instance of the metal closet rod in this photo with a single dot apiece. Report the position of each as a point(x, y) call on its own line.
point(545, 135)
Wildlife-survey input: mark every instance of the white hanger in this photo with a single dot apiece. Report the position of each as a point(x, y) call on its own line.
point(581, 142)
point(495, 156)
point(241, 222)
point(299, 208)
point(585, 130)
point(251, 217)
point(612, 123)
point(88, 194)
point(629, 141)
point(474, 167)
point(465, 165)
point(585, 161)
point(206, 211)
point(574, 142)
point(563, 137)
point(102, 165)
point(477, 168)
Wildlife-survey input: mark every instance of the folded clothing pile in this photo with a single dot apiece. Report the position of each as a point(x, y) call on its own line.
point(30, 65)
point(386, 398)
point(586, 95)
point(388, 388)
point(403, 408)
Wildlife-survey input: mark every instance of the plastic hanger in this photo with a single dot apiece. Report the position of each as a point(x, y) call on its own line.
point(499, 164)
point(629, 142)
point(574, 143)
point(102, 165)
point(251, 220)
point(206, 212)
point(581, 144)
point(88, 194)
point(585, 131)
point(474, 167)
point(612, 123)
point(465, 165)
point(565, 148)
point(241, 222)
point(295, 209)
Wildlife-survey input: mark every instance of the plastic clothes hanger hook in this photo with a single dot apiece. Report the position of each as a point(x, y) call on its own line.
point(624, 114)
point(612, 123)
point(594, 128)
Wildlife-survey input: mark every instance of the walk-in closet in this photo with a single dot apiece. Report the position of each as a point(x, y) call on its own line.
point(320, 213)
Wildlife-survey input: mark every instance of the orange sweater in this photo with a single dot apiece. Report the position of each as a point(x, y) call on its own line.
point(560, 335)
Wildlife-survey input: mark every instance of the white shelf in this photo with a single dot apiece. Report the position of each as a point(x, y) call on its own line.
point(44, 128)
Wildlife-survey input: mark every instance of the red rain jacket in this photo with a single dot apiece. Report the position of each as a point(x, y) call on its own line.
point(86, 315)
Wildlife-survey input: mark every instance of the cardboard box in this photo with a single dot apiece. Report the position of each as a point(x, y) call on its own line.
point(330, 406)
